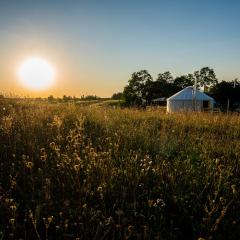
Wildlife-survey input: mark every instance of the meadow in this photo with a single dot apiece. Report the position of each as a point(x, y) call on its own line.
point(96, 172)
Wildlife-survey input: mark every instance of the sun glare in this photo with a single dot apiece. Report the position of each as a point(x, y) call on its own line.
point(36, 74)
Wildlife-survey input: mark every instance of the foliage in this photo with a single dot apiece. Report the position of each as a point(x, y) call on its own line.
point(72, 172)
point(206, 77)
point(90, 97)
point(225, 92)
point(117, 96)
point(137, 89)
point(184, 81)
point(165, 77)
point(142, 89)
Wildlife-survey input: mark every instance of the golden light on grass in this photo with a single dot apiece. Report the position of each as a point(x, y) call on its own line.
point(36, 74)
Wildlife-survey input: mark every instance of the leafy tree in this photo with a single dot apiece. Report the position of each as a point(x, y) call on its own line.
point(137, 89)
point(117, 96)
point(165, 77)
point(164, 86)
point(206, 77)
point(91, 97)
point(50, 98)
point(184, 81)
point(226, 91)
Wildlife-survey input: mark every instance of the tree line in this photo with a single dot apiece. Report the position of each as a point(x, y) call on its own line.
point(142, 88)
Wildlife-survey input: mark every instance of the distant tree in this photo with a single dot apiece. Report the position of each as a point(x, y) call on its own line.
point(206, 77)
point(117, 96)
point(184, 81)
point(141, 87)
point(66, 98)
point(137, 90)
point(164, 86)
point(1, 96)
point(91, 97)
point(51, 98)
point(165, 77)
point(226, 91)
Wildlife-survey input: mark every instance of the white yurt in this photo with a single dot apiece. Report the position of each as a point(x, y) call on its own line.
point(188, 100)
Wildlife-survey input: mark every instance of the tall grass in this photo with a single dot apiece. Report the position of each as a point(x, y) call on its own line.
point(93, 172)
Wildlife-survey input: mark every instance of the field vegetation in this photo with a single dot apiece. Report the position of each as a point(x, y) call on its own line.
point(96, 172)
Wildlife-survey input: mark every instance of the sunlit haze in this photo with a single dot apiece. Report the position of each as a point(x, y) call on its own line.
point(95, 46)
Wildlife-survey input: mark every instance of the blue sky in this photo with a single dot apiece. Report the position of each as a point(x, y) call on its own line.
point(96, 45)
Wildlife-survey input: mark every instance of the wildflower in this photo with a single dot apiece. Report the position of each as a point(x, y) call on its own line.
point(130, 228)
point(42, 150)
point(160, 202)
point(13, 207)
point(69, 138)
point(52, 145)
point(11, 221)
point(150, 203)
point(220, 167)
point(222, 200)
point(13, 183)
point(84, 205)
point(29, 164)
point(57, 121)
point(76, 167)
point(234, 190)
point(99, 189)
point(30, 214)
point(50, 219)
point(43, 158)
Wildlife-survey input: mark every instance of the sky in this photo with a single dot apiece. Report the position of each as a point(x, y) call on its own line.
point(95, 46)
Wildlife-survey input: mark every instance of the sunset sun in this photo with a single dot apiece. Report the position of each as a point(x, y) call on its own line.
point(36, 74)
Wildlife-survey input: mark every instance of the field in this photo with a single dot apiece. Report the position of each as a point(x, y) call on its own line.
point(97, 172)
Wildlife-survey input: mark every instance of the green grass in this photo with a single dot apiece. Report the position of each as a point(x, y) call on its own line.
point(97, 172)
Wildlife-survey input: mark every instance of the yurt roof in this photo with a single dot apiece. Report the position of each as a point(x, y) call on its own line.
point(187, 94)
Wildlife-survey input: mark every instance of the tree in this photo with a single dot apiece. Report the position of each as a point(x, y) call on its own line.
point(117, 96)
point(91, 97)
point(184, 81)
point(164, 85)
point(50, 98)
point(165, 77)
point(137, 90)
point(225, 92)
point(206, 77)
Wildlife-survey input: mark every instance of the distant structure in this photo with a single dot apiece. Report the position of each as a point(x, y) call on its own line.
point(159, 101)
point(189, 99)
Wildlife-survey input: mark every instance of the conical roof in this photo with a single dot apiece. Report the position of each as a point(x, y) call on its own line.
point(188, 94)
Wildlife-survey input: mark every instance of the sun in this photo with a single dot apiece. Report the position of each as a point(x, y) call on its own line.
point(36, 74)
